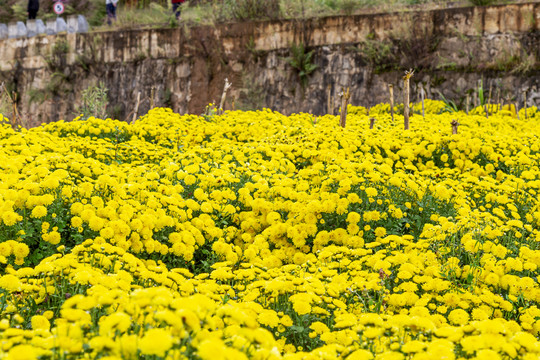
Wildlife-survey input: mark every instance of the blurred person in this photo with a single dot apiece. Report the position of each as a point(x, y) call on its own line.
point(33, 8)
point(176, 8)
point(111, 10)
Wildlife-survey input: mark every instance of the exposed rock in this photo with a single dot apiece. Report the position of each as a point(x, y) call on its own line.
point(452, 50)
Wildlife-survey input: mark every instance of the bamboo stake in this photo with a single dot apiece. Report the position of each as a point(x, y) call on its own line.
point(391, 89)
point(233, 103)
point(517, 109)
point(224, 95)
point(136, 107)
point(345, 96)
point(454, 124)
point(467, 104)
point(406, 81)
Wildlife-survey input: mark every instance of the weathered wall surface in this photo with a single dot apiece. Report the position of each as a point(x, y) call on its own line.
point(452, 49)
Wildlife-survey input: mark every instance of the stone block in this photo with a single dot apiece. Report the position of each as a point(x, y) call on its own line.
point(61, 25)
point(509, 20)
point(3, 31)
point(491, 21)
point(82, 24)
point(21, 29)
point(183, 70)
point(72, 24)
point(31, 28)
point(50, 27)
point(77, 24)
point(40, 27)
point(16, 30)
point(237, 67)
point(12, 30)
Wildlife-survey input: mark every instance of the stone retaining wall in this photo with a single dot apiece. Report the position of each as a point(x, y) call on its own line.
point(452, 49)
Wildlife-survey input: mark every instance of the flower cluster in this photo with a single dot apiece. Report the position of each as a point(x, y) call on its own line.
point(254, 235)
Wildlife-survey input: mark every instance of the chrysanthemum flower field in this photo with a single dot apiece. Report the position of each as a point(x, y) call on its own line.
point(254, 235)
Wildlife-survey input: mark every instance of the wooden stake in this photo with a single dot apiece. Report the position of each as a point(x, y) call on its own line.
point(454, 124)
point(371, 123)
point(136, 107)
point(345, 96)
point(391, 89)
point(330, 104)
point(224, 95)
point(467, 104)
point(233, 103)
point(406, 81)
point(422, 97)
point(517, 109)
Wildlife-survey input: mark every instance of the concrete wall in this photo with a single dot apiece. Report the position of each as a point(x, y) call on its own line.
point(452, 49)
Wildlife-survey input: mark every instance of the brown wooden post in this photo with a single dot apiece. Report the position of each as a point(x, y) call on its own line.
point(467, 103)
point(454, 124)
point(517, 109)
point(406, 90)
point(345, 96)
point(371, 123)
point(136, 107)
point(224, 95)
point(391, 89)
